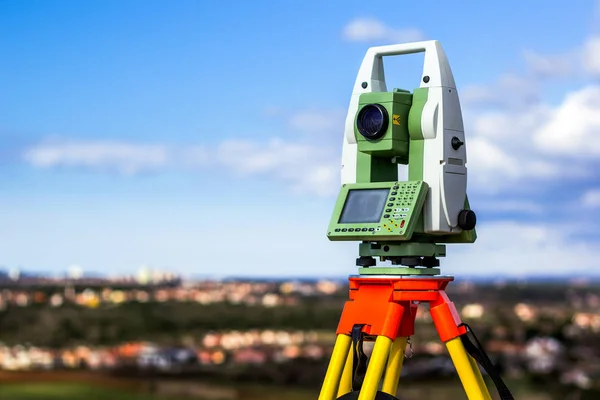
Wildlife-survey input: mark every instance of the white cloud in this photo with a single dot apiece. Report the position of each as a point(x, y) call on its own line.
point(371, 29)
point(126, 158)
point(307, 168)
point(515, 137)
point(509, 91)
point(550, 66)
point(591, 55)
point(304, 165)
point(509, 205)
point(574, 127)
point(591, 199)
point(507, 125)
point(493, 169)
point(535, 143)
point(515, 248)
point(324, 123)
point(583, 59)
point(500, 152)
point(484, 155)
point(191, 157)
point(319, 121)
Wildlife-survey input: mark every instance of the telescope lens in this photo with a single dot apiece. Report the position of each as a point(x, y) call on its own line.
point(372, 121)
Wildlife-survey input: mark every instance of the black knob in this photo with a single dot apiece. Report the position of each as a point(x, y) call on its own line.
point(467, 220)
point(456, 143)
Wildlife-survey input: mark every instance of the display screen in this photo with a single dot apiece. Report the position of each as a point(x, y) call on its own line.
point(364, 206)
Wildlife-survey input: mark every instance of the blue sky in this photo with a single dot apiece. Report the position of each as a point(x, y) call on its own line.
point(205, 137)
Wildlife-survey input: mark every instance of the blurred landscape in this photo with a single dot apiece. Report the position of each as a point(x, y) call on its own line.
point(157, 335)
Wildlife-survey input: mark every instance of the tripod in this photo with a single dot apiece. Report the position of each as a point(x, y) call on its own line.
point(382, 308)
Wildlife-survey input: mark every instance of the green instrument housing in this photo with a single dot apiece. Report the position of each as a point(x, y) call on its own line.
point(377, 211)
point(406, 223)
point(395, 143)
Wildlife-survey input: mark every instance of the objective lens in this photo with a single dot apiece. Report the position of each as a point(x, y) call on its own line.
point(372, 121)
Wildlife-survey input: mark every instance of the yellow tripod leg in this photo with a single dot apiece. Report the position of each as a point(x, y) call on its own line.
point(479, 376)
point(394, 366)
point(346, 380)
point(469, 374)
point(379, 357)
point(336, 367)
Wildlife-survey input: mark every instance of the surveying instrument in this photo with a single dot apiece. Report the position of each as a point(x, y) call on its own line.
point(405, 223)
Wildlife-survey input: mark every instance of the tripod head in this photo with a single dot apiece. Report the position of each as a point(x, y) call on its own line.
point(404, 221)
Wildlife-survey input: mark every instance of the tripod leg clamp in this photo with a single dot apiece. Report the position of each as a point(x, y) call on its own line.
point(359, 362)
point(479, 354)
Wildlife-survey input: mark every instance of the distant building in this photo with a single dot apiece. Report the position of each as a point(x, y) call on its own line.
point(543, 354)
point(525, 312)
point(75, 272)
point(472, 311)
point(14, 274)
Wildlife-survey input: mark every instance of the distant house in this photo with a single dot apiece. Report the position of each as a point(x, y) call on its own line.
point(543, 354)
point(250, 356)
point(587, 321)
point(68, 359)
point(56, 300)
point(22, 299)
point(169, 360)
point(40, 359)
point(313, 351)
point(472, 311)
point(271, 300)
point(576, 377)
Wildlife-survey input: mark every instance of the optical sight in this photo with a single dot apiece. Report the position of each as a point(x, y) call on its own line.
point(372, 121)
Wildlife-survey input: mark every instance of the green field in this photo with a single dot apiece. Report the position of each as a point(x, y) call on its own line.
point(447, 390)
point(86, 391)
point(81, 391)
point(66, 391)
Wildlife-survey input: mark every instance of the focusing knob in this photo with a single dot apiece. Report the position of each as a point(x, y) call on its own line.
point(467, 220)
point(456, 143)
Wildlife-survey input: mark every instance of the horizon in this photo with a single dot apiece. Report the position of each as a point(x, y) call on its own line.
point(592, 277)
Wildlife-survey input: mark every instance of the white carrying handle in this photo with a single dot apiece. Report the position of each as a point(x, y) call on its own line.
point(435, 66)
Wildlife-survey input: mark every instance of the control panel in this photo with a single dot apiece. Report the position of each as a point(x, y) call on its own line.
point(377, 211)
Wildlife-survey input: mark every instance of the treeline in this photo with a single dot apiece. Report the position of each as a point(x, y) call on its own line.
point(164, 322)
